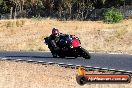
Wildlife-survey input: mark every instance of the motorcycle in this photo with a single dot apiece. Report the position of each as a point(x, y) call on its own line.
point(69, 46)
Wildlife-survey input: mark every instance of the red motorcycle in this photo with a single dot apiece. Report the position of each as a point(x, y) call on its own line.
point(69, 46)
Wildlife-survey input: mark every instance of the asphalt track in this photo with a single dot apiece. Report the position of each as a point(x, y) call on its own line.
point(103, 60)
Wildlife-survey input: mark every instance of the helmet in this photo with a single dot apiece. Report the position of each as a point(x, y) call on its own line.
point(55, 32)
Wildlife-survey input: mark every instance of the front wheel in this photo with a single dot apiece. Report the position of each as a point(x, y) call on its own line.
point(61, 55)
point(54, 55)
point(85, 54)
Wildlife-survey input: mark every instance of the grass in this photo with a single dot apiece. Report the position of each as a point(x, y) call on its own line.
point(28, 34)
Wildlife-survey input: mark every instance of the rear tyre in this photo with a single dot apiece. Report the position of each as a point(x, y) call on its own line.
point(85, 54)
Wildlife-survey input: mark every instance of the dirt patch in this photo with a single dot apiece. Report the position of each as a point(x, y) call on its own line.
point(28, 34)
point(28, 75)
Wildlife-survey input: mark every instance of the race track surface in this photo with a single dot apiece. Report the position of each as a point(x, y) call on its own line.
point(111, 61)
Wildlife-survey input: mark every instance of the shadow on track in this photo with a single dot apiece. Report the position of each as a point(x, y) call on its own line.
point(29, 56)
point(39, 57)
point(36, 55)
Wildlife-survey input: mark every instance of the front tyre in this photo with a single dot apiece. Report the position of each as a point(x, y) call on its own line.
point(85, 54)
point(54, 55)
point(62, 56)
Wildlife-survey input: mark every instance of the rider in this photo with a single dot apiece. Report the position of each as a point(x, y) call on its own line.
point(54, 37)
